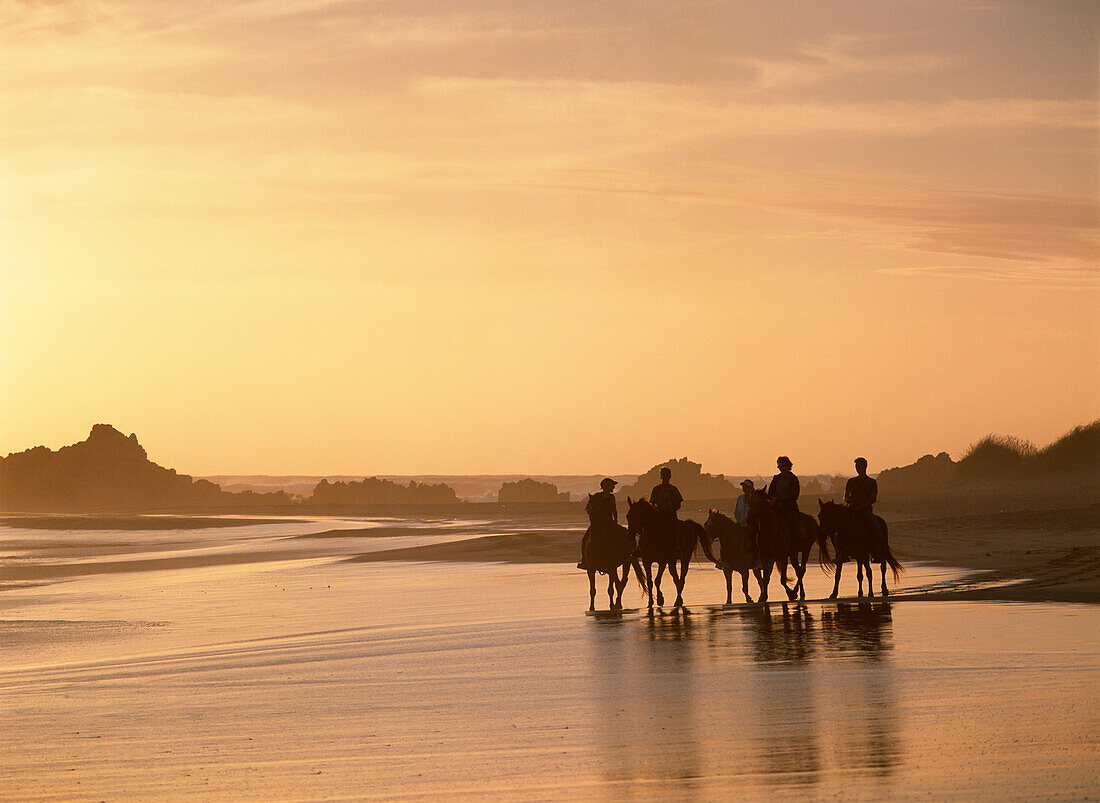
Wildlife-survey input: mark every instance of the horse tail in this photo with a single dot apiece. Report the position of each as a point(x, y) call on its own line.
point(891, 561)
point(642, 585)
point(824, 560)
point(703, 539)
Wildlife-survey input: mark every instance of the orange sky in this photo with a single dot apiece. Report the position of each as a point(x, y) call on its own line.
point(308, 236)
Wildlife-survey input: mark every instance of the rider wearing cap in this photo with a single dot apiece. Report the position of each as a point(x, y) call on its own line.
point(601, 510)
point(741, 506)
point(783, 491)
point(741, 512)
point(667, 499)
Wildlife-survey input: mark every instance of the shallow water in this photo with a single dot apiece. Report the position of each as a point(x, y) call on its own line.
point(318, 678)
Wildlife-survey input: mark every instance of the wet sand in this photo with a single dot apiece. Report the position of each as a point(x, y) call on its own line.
point(249, 661)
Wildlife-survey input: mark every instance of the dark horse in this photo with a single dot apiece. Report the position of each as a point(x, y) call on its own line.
point(846, 530)
point(671, 550)
point(777, 547)
point(738, 552)
point(608, 548)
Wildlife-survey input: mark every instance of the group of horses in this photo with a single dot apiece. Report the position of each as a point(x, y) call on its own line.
point(758, 548)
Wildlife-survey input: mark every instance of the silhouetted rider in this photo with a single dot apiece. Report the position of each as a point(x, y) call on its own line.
point(602, 511)
point(860, 495)
point(783, 491)
point(667, 499)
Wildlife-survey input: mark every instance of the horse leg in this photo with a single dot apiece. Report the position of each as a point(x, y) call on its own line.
point(870, 578)
point(744, 586)
point(591, 590)
point(620, 584)
point(859, 575)
point(765, 579)
point(836, 581)
point(882, 569)
point(680, 579)
point(800, 572)
point(791, 593)
point(677, 583)
point(611, 578)
point(729, 584)
point(649, 582)
point(660, 573)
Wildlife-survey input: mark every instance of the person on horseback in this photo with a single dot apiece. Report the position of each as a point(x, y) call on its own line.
point(741, 512)
point(783, 493)
point(667, 499)
point(602, 510)
point(860, 495)
point(741, 506)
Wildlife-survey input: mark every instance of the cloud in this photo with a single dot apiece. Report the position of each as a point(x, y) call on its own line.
point(1036, 274)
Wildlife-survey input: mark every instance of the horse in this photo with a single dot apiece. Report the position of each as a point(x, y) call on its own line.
point(777, 548)
point(843, 527)
point(608, 547)
point(656, 544)
point(809, 533)
point(738, 551)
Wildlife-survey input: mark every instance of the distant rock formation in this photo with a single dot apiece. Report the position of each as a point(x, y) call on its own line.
point(373, 491)
point(530, 491)
point(688, 477)
point(927, 472)
point(108, 471)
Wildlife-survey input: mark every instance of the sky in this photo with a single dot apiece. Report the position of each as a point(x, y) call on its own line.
point(329, 236)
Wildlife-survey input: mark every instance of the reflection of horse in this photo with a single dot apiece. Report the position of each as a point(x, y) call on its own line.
point(862, 627)
point(845, 527)
point(657, 543)
point(786, 637)
point(738, 554)
point(608, 547)
point(777, 547)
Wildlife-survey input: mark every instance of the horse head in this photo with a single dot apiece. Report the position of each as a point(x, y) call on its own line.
point(638, 515)
point(828, 516)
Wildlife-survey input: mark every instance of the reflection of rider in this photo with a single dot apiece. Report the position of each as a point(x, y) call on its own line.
point(860, 495)
point(602, 511)
point(667, 499)
point(783, 491)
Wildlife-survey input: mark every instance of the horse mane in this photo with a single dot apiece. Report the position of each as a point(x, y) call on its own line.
point(722, 517)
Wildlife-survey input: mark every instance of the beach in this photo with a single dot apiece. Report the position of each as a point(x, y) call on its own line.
point(405, 657)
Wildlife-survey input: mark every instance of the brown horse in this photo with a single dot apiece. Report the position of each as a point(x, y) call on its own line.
point(738, 551)
point(843, 527)
point(608, 547)
point(657, 544)
point(777, 547)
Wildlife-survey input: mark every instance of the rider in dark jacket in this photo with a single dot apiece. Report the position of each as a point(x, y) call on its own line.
point(667, 499)
point(783, 491)
point(860, 495)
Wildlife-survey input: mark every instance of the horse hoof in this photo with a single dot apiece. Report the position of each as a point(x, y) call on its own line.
point(832, 596)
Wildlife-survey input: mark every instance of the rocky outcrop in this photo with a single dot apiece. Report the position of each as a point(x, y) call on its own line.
point(373, 491)
point(688, 477)
point(107, 471)
point(927, 472)
point(528, 491)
